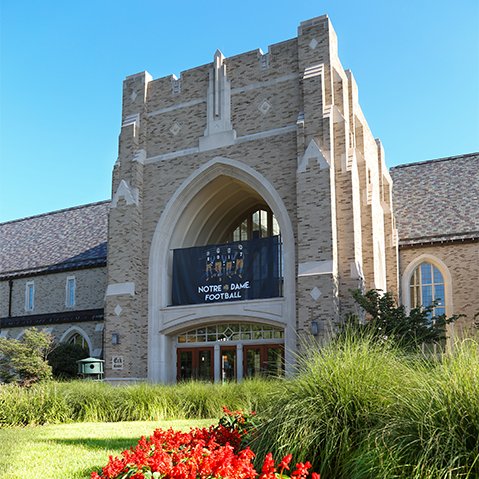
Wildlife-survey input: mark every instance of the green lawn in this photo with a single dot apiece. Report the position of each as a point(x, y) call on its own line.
point(72, 451)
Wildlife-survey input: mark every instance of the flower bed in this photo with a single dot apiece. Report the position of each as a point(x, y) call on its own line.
point(206, 453)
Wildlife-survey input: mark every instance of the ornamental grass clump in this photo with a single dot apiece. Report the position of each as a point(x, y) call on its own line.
point(339, 394)
point(92, 401)
point(433, 431)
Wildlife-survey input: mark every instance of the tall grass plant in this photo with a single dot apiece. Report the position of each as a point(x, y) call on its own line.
point(364, 410)
point(91, 401)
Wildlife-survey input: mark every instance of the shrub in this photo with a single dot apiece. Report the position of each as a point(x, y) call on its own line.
point(56, 402)
point(433, 430)
point(63, 359)
point(338, 394)
point(388, 321)
point(24, 361)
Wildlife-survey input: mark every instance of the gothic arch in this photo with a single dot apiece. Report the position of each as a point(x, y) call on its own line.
point(77, 330)
point(175, 228)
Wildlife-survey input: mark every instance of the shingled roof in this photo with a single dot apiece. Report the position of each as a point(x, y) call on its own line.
point(437, 200)
point(65, 239)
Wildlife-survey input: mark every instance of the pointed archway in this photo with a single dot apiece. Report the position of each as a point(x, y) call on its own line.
point(202, 209)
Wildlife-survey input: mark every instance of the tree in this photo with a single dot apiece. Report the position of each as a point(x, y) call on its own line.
point(386, 320)
point(24, 361)
point(63, 358)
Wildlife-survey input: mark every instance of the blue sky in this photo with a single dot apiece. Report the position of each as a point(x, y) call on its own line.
point(62, 64)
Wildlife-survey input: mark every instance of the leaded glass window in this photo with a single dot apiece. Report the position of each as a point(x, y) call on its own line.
point(426, 287)
point(231, 332)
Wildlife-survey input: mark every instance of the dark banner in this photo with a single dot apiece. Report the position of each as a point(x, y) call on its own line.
point(227, 272)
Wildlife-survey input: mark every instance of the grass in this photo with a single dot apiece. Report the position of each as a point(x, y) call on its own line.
point(72, 450)
point(360, 410)
point(82, 401)
point(356, 409)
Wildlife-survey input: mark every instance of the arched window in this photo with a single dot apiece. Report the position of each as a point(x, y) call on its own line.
point(78, 339)
point(259, 223)
point(426, 286)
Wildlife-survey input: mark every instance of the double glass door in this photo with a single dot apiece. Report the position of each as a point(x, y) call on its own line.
point(233, 362)
point(263, 360)
point(195, 363)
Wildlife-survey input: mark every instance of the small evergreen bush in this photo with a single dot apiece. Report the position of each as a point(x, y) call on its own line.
point(388, 321)
point(63, 358)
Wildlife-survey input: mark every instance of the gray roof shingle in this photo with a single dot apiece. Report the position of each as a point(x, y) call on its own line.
point(437, 200)
point(64, 239)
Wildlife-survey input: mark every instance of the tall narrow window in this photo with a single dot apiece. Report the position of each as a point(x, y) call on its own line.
point(427, 287)
point(70, 292)
point(29, 296)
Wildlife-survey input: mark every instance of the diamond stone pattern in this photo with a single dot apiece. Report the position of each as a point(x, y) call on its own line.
point(264, 107)
point(118, 309)
point(175, 129)
point(313, 43)
point(315, 293)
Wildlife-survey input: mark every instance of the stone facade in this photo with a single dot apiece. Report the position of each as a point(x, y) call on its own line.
point(281, 132)
point(437, 209)
point(282, 129)
point(460, 263)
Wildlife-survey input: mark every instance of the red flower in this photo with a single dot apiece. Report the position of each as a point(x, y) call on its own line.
point(200, 454)
point(301, 470)
point(284, 464)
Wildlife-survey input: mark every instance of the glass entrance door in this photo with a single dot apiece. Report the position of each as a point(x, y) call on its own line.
point(194, 363)
point(228, 363)
point(263, 360)
point(200, 363)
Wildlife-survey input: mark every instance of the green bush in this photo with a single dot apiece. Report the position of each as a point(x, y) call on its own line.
point(389, 321)
point(63, 359)
point(339, 393)
point(433, 431)
point(24, 361)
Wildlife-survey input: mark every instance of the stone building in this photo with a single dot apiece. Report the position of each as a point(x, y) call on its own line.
point(437, 211)
point(248, 199)
point(53, 275)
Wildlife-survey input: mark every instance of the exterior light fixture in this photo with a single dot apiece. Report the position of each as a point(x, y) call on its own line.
point(314, 328)
point(115, 338)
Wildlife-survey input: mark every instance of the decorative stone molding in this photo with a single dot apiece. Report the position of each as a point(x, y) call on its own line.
point(313, 153)
point(314, 268)
point(315, 293)
point(264, 107)
point(132, 120)
point(313, 71)
point(77, 330)
point(219, 131)
point(140, 156)
point(175, 128)
point(120, 289)
point(313, 44)
point(129, 194)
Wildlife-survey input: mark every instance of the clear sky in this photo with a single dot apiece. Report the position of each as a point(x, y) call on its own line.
point(62, 64)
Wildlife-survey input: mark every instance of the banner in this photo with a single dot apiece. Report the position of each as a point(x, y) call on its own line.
point(234, 271)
